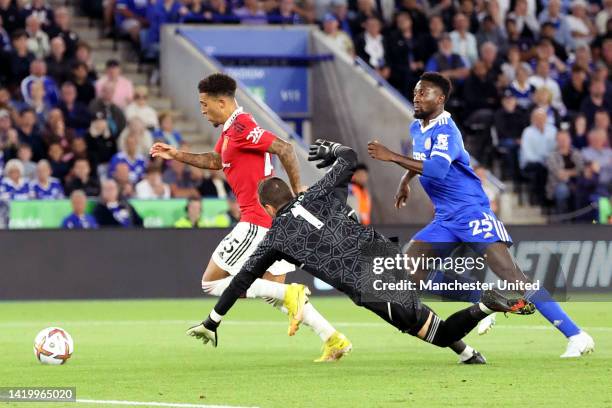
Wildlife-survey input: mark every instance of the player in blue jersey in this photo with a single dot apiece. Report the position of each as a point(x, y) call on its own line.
point(462, 211)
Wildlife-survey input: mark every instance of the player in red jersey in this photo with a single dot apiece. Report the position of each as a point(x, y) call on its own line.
point(243, 153)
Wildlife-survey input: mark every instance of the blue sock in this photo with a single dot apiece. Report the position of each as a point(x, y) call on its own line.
point(472, 296)
point(552, 311)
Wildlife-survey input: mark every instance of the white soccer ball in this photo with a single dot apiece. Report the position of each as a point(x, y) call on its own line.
point(53, 346)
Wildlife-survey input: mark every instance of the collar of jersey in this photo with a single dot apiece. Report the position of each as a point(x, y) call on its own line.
point(434, 121)
point(288, 205)
point(232, 118)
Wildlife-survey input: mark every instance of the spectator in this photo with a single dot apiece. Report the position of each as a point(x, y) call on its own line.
point(554, 15)
point(542, 98)
point(83, 55)
point(490, 32)
point(131, 17)
point(405, 63)
point(39, 102)
point(549, 33)
point(521, 88)
point(602, 121)
point(596, 100)
point(166, 133)
point(358, 188)
point(419, 20)
point(38, 40)
point(79, 151)
point(448, 63)
point(178, 176)
point(427, 44)
point(5, 39)
point(487, 187)
point(597, 152)
point(58, 65)
point(86, 92)
point(213, 184)
point(603, 17)
point(159, 12)
point(29, 134)
point(464, 42)
point(580, 25)
point(575, 90)
point(563, 166)
point(579, 131)
point(139, 108)
point(59, 166)
point(56, 131)
point(38, 72)
point(24, 154)
point(339, 9)
point(509, 122)
point(194, 12)
point(143, 137)
point(152, 187)
point(104, 108)
point(193, 215)
point(121, 175)
point(339, 38)
point(131, 157)
point(112, 211)
point(19, 59)
point(122, 90)
point(542, 78)
point(514, 38)
point(79, 219)
point(251, 13)
point(41, 11)
point(467, 8)
point(370, 46)
point(511, 66)
point(220, 13)
point(583, 58)
point(587, 187)
point(45, 187)
point(284, 14)
point(546, 52)
point(13, 185)
point(75, 112)
point(81, 179)
point(480, 92)
point(101, 145)
point(11, 16)
point(365, 10)
point(62, 29)
point(537, 143)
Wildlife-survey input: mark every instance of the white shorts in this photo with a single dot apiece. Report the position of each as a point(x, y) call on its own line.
point(237, 246)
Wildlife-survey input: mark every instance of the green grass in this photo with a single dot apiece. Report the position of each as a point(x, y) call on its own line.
point(137, 350)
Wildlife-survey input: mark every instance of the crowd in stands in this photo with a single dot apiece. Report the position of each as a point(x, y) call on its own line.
point(531, 79)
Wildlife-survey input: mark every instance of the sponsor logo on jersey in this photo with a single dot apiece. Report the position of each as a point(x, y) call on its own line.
point(418, 156)
point(255, 134)
point(441, 142)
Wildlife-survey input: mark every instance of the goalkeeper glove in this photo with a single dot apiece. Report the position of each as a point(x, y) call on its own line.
point(323, 150)
point(205, 331)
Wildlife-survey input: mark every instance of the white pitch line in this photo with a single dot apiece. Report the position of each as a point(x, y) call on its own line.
point(68, 323)
point(153, 404)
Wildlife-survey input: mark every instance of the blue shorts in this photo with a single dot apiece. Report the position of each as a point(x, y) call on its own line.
point(479, 227)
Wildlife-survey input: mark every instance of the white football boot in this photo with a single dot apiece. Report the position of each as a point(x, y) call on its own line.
point(579, 345)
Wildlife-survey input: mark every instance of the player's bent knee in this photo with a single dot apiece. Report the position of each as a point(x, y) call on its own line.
point(213, 272)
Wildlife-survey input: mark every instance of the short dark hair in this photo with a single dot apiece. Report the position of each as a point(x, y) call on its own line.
point(274, 191)
point(361, 166)
point(218, 84)
point(440, 81)
point(18, 34)
point(111, 63)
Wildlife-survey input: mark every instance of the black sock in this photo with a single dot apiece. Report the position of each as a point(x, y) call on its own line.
point(458, 346)
point(443, 333)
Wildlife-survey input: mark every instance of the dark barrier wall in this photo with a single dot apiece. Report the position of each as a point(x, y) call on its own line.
point(169, 263)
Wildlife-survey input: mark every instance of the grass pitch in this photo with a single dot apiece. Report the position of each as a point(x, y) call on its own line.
point(137, 351)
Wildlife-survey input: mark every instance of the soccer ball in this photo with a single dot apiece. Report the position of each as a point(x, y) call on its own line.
point(53, 346)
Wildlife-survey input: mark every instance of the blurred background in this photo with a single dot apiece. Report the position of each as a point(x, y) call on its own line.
point(86, 87)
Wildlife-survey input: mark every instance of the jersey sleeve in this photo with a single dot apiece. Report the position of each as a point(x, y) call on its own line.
point(250, 136)
point(446, 148)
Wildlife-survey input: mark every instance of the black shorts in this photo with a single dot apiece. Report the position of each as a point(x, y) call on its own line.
point(406, 319)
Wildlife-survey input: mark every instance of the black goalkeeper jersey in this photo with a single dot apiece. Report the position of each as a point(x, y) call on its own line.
point(316, 232)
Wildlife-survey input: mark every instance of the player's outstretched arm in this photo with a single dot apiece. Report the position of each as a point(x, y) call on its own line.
point(208, 160)
point(378, 151)
point(286, 153)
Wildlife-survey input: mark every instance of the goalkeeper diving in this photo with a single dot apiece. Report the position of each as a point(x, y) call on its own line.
point(317, 232)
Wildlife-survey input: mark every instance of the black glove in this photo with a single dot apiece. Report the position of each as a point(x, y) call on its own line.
point(323, 150)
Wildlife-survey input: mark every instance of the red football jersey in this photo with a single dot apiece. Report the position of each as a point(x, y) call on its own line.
point(243, 148)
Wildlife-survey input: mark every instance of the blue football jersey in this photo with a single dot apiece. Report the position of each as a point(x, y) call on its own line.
point(460, 189)
point(12, 191)
point(137, 166)
point(53, 190)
